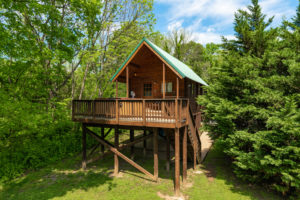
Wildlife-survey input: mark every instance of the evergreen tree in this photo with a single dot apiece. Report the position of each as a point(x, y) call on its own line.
point(253, 100)
point(296, 19)
point(251, 31)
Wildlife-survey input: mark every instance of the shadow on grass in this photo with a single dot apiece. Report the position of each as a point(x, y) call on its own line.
point(64, 177)
point(217, 168)
point(56, 181)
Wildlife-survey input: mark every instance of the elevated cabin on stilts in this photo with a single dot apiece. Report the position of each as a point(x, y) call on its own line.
point(160, 94)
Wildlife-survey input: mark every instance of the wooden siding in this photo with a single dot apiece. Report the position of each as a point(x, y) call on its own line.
point(146, 67)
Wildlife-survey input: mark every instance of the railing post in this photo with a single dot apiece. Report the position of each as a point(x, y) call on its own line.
point(117, 110)
point(144, 112)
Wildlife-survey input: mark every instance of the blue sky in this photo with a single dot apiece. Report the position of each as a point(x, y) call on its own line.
point(207, 20)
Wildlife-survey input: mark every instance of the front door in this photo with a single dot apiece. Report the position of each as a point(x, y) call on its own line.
point(148, 90)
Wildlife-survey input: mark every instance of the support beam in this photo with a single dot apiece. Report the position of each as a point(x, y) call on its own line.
point(145, 143)
point(127, 81)
point(121, 147)
point(116, 168)
point(83, 163)
point(177, 162)
point(137, 140)
point(132, 146)
point(155, 153)
point(93, 149)
point(106, 134)
point(184, 155)
point(102, 135)
point(116, 152)
point(168, 151)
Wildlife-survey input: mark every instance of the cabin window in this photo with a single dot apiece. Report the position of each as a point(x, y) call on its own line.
point(168, 87)
point(147, 89)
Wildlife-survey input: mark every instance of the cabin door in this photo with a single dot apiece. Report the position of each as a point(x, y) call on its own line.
point(148, 90)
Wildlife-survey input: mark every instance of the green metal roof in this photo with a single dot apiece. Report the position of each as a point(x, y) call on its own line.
point(184, 70)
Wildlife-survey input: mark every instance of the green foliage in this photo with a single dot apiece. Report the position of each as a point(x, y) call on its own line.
point(253, 104)
point(65, 180)
point(50, 53)
point(296, 19)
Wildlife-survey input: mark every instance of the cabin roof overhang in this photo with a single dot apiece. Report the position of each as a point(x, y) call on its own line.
point(178, 67)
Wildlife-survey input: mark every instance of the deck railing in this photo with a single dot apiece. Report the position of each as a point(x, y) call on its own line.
point(138, 111)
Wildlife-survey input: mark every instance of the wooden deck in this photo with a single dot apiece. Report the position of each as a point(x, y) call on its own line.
point(164, 113)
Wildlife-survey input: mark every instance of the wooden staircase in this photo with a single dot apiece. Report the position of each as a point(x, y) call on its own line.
point(194, 143)
point(194, 137)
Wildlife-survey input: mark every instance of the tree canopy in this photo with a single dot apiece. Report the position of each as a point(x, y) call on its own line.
point(252, 104)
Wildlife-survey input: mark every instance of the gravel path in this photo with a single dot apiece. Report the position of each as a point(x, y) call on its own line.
point(206, 143)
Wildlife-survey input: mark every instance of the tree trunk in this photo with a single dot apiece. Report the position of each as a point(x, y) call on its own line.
point(83, 81)
point(73, 82)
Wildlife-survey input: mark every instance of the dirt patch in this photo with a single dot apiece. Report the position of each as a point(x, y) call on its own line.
point(198, 172)
point(210, 172)
point(188, 185)
point(167, 197)
point(119, 175)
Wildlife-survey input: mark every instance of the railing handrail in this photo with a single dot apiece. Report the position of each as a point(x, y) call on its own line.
point(130, 108)
point(131, 99)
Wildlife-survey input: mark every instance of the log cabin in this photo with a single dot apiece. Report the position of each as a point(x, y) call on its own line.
point(160, 95)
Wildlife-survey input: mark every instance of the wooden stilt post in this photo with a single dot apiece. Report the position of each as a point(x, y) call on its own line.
point(83, 163)
point(132, 147)
point(195, 159)
point(116, 169)
point(168, 151)
point(184, 155)
point(177, 162)
point(145, 143)
point(155, 153)
point(102, 135)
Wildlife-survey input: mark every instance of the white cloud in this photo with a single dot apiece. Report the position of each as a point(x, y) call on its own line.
point(205, 8)
point(209, 19)
point(209, 37)
point(175, 25)
point(279, 9)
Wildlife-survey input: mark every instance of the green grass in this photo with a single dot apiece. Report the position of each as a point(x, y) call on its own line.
point(65, 180)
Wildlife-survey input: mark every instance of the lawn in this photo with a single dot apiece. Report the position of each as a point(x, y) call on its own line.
point(65, 180)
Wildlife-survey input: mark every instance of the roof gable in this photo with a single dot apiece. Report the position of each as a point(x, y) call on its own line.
point(182, 69)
